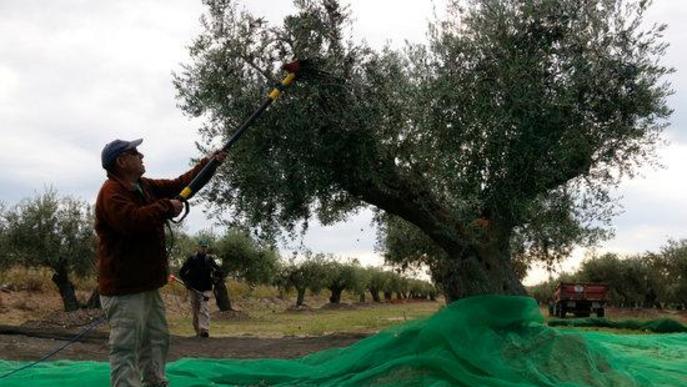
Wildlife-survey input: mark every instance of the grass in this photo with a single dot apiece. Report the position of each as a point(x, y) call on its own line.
point(266, 323)
point(31, 295)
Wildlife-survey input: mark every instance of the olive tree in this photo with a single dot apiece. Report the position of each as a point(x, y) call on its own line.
point(376, 282)
point(674, 255)
point(502, 134)
point(54, 232)
point(242, 257)
point(311, 273)
point(344, 276)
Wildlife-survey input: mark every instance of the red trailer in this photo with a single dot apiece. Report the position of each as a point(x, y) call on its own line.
point(581, 299)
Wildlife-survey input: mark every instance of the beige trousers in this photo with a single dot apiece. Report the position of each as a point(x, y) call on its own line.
point(139, 339)
point(201, 311)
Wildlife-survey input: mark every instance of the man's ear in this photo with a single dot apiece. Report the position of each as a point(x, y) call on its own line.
point(119, 163)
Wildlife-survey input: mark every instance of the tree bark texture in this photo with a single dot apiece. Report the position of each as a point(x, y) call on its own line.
point(222, 296)
point(375, 295)
point(66, 289)
point(336, 295)
point(301, 296)
point(477, 258)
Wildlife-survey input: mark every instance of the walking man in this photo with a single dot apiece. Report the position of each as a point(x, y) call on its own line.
point(199, 273)
point(130, 214)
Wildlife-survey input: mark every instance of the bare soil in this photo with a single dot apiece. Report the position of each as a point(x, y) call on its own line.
point(34, 326)
point(24, 343)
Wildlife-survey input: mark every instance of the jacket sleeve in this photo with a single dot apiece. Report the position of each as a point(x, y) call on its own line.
point(169, 188)
point(126, 217)
point(184, 271)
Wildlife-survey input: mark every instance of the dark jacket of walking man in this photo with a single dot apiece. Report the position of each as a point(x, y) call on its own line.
point(199, 273)
point(130, 214)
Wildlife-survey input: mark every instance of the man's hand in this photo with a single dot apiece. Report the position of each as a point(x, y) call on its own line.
point(177, 206)
point(219, 155)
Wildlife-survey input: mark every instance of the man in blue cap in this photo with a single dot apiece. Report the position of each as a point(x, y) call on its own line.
point(130, 214)
point(199, 272)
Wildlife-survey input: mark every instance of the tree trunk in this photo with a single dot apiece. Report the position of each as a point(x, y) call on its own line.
point(477, 254)
point(361, 297)
point(336, 295)
point(222, 296)
point(61, 279)
point(94, 300)
point(375, 295)
point(477, 271)
point(387, 296)
point(301, 296)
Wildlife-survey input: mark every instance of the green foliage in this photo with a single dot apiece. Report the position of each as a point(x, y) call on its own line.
point(345, 276)
point(653, 279)
point(628, 278)
point(543, 292)
point(49, 231)
point(311, 273)
point(672, 267)
point(180, 245)
point(243, 257)
point(523, 113)
point(419, 289)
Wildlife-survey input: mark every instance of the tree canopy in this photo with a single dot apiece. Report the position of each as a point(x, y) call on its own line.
point(503, 135)
point(51, 231)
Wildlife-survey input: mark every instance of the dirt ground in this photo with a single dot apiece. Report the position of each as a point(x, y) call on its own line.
point(20, 343)
point(34, 326)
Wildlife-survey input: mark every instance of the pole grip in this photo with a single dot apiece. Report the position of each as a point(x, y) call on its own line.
point(199, 180)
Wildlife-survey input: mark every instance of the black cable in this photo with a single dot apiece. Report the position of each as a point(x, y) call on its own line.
point(68, 343)
point(172, 240)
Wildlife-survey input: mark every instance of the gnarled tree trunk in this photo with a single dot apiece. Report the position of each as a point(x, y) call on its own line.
point(375, 295)
point(222, 296)
point(300, 297)
point(65, 287)
point(335, 298)
point(477, 271)
point(478, 255)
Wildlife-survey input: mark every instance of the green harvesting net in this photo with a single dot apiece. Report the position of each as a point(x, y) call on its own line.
point(480, 341)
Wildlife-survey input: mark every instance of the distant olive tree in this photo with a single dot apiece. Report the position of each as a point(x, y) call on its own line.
point(312, 273)
point(343, 276)
point(361, 285)
point(392, 284)
point(54, 232)
point(243, 257)
point(674, 256)
point(376, 282)
point(180, 245)
point(421, 290)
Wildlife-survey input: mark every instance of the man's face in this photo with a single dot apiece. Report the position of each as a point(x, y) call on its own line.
point(131, 162)
point(202, 249)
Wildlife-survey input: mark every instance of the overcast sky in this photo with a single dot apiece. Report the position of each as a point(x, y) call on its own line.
point(75, 74)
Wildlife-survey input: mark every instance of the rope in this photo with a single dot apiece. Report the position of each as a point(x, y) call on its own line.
point(68, 343)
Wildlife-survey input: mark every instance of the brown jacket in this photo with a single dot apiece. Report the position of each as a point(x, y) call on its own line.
point(131, 250)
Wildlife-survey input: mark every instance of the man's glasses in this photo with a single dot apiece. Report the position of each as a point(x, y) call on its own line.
point(132, 152)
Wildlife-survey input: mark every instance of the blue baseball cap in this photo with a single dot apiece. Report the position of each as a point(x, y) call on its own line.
point(115, 148)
